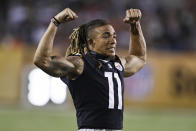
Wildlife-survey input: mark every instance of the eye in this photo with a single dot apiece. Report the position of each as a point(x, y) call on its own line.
point(114, 36)
point(106, 35)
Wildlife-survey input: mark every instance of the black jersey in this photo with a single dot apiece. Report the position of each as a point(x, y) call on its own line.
point(98, 93)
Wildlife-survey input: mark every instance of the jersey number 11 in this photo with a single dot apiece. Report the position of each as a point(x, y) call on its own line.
point(111, 90)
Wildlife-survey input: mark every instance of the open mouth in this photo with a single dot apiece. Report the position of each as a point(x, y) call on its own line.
point(111, 49)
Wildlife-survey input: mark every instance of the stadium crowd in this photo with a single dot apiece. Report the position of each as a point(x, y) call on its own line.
point(167, 25)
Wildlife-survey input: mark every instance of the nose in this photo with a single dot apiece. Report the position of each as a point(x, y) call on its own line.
point(113, 41)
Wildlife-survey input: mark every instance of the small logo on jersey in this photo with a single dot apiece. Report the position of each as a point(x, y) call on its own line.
point(118, 66)
point(109, 66)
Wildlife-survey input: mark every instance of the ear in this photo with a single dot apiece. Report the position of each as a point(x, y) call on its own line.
point(85, 50)
point(91, 43)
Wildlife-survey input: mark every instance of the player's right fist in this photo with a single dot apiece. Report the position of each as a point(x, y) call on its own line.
point(66, 15)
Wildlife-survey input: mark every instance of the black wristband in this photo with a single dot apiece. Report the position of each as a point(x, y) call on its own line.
point(55, 21)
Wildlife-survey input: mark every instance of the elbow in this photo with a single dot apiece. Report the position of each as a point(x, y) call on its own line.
point(36, 61)
point(39, 62)
point(143, 58)
point(144, 61)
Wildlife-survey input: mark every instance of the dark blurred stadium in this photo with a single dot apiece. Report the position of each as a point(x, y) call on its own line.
point(167, 25)
point(162, 96)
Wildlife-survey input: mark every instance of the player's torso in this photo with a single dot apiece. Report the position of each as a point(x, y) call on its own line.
point(98, 93)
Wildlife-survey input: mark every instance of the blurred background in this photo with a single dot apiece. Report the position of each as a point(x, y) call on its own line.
point(161, 96)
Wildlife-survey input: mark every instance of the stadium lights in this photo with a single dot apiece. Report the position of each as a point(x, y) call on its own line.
point(42, 88)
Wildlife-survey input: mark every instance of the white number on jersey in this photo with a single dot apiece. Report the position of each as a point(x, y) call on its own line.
point(111, 90)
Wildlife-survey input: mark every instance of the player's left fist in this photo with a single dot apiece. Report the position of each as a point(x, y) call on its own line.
point(132, 16)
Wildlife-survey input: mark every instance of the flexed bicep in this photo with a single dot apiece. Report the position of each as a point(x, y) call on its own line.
point(57, 66)
point(137, 55)
point(132, 64)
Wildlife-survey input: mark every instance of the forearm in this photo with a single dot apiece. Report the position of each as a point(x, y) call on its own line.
point(137, 46)
point(45, 46)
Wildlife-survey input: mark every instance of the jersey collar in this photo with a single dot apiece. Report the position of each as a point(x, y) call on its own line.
point(101, 57)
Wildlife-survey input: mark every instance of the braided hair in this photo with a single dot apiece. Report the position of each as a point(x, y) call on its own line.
point(79, 37)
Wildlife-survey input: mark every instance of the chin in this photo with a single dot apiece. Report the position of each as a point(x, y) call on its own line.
point(111, 55)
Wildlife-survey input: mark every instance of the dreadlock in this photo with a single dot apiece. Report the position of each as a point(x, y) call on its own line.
point(79, 37)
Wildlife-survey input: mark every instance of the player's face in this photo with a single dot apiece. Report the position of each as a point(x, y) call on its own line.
point(104, 40)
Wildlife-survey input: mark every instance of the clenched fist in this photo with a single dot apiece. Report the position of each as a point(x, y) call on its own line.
point(66, 15)
point(132, 16)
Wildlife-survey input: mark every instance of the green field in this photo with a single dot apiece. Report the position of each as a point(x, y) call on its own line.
point(50, 120)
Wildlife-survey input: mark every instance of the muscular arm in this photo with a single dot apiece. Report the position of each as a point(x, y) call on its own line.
point(136, 57)
point(55, 65)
